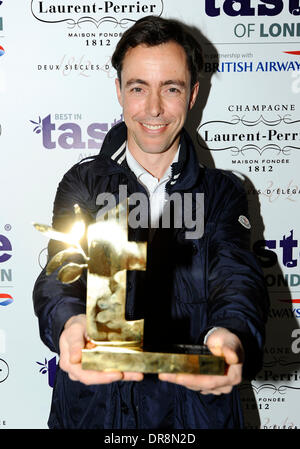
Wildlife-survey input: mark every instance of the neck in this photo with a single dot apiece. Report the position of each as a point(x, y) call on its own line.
point(155, 163)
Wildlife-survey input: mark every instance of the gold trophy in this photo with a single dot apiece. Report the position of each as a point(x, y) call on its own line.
point(113, 342)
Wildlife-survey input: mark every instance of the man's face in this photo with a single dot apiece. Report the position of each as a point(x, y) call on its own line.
point(155, 95)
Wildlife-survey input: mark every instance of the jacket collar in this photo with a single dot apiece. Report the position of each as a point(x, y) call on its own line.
point(184, 173)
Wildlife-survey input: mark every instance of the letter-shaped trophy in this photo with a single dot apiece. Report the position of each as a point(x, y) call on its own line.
point(115, 343)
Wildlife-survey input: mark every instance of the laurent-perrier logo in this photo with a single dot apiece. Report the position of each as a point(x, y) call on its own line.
point(241, 135)
point(121, 12)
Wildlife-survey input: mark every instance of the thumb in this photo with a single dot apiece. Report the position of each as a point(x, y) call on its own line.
point(224, 343)
point(231, 355)
point(74, 337)
point(76, 342)
point(75, 351)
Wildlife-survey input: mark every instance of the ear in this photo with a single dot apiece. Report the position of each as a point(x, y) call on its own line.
point(194, 94)
point(118, 89)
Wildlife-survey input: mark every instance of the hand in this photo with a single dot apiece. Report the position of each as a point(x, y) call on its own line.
point(221, 343)
point(72, 341)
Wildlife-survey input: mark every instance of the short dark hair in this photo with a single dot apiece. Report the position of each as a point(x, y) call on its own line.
point(154, 30)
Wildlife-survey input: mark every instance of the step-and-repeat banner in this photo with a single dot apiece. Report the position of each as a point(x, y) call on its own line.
point(58, 101)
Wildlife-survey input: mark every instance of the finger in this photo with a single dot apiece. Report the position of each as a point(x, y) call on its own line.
point(205, 382)
point(234, 377)
point(90, 377)
point(133, 376)
point(194, 382)
point(217, 391)
point(234, 374)
point(93, 378)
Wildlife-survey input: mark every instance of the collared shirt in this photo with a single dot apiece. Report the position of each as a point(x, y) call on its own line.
point(155, 188)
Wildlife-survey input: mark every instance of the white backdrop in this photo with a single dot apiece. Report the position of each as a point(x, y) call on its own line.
point(57, 101)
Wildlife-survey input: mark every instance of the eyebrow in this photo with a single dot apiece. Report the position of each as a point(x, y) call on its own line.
point(162, 83)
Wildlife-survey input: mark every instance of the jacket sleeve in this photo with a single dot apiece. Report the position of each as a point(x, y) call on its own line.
point(55, 302)
point(237, 295)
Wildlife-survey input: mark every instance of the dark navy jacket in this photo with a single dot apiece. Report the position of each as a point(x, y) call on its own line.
point(190, 286)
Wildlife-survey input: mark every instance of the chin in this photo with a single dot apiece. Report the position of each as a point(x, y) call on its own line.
point(152, 147)
point(153, 150)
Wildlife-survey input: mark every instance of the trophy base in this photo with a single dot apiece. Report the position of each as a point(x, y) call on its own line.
point(106, 358)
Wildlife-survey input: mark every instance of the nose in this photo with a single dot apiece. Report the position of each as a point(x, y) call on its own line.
point(155, 107)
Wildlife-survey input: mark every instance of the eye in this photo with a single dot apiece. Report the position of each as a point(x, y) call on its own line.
point(172, 91)
point(136, 90)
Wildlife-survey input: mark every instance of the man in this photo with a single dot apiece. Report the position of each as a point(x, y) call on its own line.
point(209, 287)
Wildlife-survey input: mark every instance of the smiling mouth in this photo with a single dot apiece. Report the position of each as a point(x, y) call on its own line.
point(154, 127)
